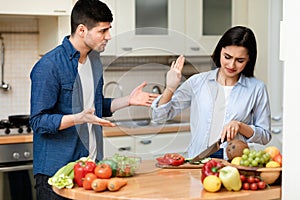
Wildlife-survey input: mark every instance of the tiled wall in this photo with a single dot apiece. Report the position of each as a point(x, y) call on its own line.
point(21, 52)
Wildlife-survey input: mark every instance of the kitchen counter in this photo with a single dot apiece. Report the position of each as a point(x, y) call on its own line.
point(17, 138)
point(140, 130)
point(108, 132)
point(156, 183)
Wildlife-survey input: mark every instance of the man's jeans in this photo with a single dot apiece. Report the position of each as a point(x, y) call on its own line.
point(44, 190)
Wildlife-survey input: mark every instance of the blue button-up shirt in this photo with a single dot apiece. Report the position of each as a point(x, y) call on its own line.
point(248, 103)
point(56, 91)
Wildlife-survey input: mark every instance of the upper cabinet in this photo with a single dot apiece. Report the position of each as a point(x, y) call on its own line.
point(36, 7)
point(153, 27)
point(207, 20)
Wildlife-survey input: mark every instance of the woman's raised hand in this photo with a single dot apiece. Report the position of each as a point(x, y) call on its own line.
point(174, 74)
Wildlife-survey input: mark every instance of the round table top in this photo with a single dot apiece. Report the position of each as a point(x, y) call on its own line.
point(151, 182)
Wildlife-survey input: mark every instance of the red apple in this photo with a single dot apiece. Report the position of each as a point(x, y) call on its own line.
point(278, 158)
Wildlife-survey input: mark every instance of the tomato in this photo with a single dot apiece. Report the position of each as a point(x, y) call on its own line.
point(243, 178)
point(278, 158)
point(253, 186)
point(246, 186)
point(174, 159)
point(103, 171)
point(87, 181)
point(162, 161)
point(250, 179)
point(256, 179)
point(261, 185)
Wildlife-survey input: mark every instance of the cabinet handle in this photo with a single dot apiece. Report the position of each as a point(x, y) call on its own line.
point(276, 130)
point(59, 11)
point(145, 141)
point(127, 48)
point(276, 118)
point(195, 48)
point(124, 149)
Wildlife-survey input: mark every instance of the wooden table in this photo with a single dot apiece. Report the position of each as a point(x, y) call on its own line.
point(155, 183)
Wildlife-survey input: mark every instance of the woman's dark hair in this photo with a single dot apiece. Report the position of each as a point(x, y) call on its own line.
point(89, 13)
point(238, 36)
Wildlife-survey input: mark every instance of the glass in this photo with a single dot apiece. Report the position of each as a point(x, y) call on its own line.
point(216, 16)
point(151, 13)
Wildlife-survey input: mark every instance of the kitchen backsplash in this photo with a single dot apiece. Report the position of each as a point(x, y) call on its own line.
point(21, 47)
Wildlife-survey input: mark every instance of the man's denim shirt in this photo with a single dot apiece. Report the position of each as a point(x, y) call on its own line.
point(56, 91)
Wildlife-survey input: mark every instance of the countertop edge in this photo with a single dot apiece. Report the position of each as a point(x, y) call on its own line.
point(107, 132)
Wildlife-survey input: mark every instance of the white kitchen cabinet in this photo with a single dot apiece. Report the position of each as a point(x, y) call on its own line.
point(153, 145)
point(206, 23)
point(147, 146)
point(36, 7)
point(52, 30)
point(123, 145)
point(166, 35)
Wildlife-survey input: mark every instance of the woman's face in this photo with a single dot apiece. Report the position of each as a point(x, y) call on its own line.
point(233, 60)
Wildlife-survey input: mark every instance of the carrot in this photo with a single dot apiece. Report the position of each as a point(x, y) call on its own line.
point(99, 185)
point(114, 184)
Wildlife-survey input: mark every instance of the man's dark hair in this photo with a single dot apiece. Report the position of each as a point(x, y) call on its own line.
point(239, 36)
point(89, 13)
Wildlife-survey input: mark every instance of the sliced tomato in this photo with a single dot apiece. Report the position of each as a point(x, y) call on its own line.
point(174, 159)
point(162, 161)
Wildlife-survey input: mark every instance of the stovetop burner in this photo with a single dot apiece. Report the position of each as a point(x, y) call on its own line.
point(11, 127)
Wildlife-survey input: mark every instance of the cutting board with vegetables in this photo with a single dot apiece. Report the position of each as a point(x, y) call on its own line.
point(176, 161)
point(183, 166)
point(188, 165)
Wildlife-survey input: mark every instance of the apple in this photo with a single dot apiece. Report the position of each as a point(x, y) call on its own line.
point(278, 158)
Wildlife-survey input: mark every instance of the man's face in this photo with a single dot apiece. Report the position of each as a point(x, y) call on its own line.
point(97, 37)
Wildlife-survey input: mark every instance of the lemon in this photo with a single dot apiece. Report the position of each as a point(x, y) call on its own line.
point(272, 164)
point(236, 160)
point(212, 183)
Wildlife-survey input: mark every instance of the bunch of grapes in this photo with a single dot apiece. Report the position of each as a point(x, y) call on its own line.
point(253, 158)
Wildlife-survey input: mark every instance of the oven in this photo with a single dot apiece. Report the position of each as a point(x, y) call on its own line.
point(16, 156)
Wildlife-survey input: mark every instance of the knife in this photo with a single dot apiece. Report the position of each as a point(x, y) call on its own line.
point(207, 152)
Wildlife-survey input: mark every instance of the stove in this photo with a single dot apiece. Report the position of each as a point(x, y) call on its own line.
point(15, 130)
point(16, 146)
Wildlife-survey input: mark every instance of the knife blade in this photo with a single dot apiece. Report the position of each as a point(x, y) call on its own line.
point(207, 152)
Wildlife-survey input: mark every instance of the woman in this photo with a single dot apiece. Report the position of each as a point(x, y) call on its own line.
point(227, 102)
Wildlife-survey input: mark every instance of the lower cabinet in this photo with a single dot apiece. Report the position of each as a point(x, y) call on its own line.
point(122, 145)
point(147, 146)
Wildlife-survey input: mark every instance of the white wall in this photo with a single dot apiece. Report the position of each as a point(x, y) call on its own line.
point(291, 100)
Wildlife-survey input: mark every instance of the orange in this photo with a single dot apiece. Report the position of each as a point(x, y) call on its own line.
point(272, 151)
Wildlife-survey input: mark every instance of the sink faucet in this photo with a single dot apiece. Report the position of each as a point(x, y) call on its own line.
point(156, 89)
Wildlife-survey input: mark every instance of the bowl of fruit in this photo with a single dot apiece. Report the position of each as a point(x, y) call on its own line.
point(265, 164)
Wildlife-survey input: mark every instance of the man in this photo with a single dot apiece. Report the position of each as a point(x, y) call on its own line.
point(67, 104)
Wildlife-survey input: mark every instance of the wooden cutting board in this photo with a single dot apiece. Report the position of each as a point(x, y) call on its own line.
point(187, 165)
point(184, 166)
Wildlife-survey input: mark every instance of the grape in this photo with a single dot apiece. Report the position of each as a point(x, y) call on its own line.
point(244, 157)
point(246, 151)
point(253, 158)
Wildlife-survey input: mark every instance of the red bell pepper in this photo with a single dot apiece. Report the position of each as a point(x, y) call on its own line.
point(81, 169)
point(174, 159)
point(211, 168)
